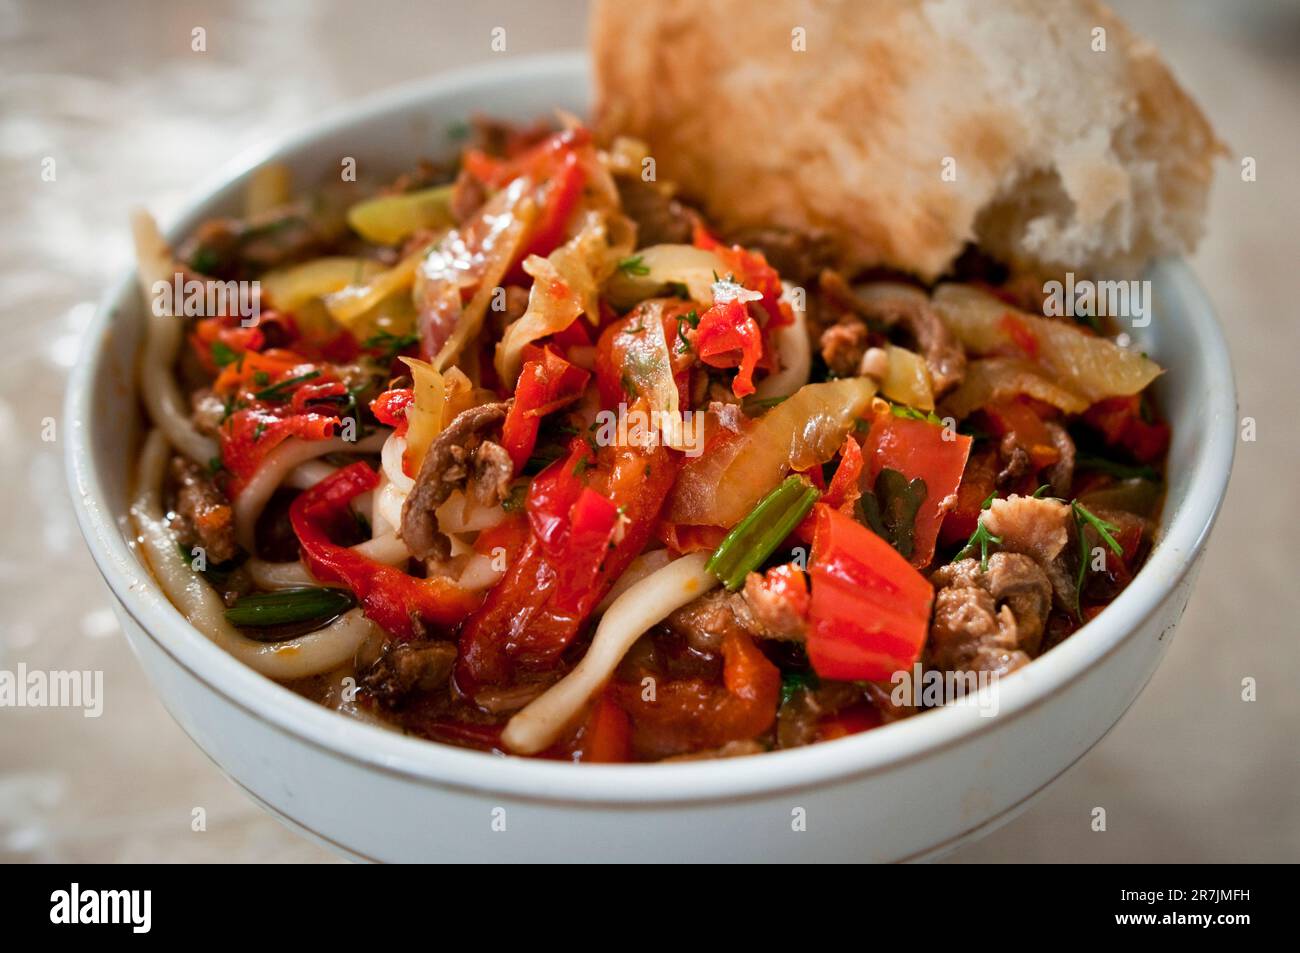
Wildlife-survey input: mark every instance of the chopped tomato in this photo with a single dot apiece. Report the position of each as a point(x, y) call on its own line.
point(728, 337)
point(918, 448)
point(870, 609)
point(751, 270)
point(844, 490)
point(849, 721)
point(1120, 422)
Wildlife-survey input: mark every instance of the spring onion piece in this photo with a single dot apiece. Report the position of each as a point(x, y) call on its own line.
point(758, 534)
point(289, 606)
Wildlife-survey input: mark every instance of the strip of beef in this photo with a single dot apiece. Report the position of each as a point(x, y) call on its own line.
point(660, 218)
point(203, 514)
point(408, 667)
point(461, 457)
point(989, 621)
point(890, 306)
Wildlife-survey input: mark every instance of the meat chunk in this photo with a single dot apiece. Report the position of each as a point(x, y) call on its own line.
point(989, 621)
point(774, 611)
point(843, 345)
point(408, 667)
point(203, 514)
point(1039, 528)
point(759, 610)
point(797, 256)
point(892, 306)
point(460, 456)
point(660, 218)
point(704, 622)
point(796, 723)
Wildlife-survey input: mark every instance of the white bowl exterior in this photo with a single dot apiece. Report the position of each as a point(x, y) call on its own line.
point(904, 791)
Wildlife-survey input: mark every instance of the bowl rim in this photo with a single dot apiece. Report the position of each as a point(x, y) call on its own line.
point(445, 766)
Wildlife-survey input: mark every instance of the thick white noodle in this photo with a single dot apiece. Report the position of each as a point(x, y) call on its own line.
point(275, 469)
point(637, 569)
point(162, 396)
point(643, 605)
point(306, 655)
point(307, 475)
point(795, 351)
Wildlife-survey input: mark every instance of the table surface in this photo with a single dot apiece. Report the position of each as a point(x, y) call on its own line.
point(1191, 773)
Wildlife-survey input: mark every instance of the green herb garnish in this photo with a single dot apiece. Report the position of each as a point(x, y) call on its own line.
point(1083, 517)
point(755, 537)
point(222, 354)
point(981, 537)
point(634, 266)
point(390, 345)
point(891, 509)
point(290, 606)
point(280, 391)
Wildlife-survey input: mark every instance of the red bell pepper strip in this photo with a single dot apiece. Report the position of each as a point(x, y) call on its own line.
point(250, 434)
point(389, 597)
point(844, 490)
point(534, 613)
point(390, 408)
point(728, 337)
point(546, 383)
point(918, 448)
point(606, 735)
point(870, 609)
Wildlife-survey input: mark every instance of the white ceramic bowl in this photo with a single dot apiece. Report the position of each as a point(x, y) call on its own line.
point(909, 790)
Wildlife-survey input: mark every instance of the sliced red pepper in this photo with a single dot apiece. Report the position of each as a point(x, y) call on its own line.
point(918, 448)
point(870, 609)
point(606, 736)
point(390, 408)
point(389, 597)
point(546, 383)
point(250, 434)
point(844, 490)
point(534, 613)
point(728, 337)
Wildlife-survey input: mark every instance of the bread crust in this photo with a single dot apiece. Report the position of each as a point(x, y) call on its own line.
point(1058, 156)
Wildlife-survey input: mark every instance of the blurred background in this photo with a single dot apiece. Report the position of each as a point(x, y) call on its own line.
point(131, 115)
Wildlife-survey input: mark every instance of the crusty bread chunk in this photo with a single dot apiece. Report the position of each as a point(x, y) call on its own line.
point(904, 129)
